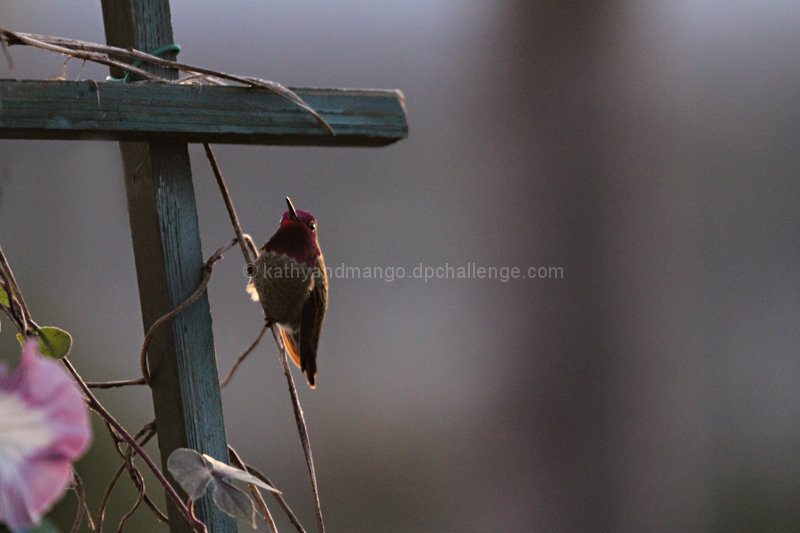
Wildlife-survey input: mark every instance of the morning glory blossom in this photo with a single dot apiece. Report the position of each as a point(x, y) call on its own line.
point(44, 427)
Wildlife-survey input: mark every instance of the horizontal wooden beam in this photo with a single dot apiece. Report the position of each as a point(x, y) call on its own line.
point(147, 111)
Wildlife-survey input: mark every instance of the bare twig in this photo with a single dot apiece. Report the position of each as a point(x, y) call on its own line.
point(226, 197)
point(216, 256)
point(41, 41)
point(101, 513)
point(115, 384)
point(262, 505)
point(242, 357)
point(83, 508)
point(278, 496)
point(159, 514)
point(138, 480)
point(142, 437)
point(112, 56)
point(251, 245)
point(15, 298)
point(301, 426)
point(11, 310)
point(6, 51)
point(96, 406)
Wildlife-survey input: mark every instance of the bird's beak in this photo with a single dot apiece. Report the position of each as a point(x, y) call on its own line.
point(292, 212)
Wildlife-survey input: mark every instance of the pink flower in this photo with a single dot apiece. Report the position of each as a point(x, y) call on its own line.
point(44, 427)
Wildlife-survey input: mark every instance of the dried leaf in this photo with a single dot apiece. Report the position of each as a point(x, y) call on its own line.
point(195, 472)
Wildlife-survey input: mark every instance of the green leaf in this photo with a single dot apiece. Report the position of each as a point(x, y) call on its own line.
point(4, 301)
point(53, 342)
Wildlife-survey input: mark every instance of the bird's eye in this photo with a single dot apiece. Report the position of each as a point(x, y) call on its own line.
point(312, 226)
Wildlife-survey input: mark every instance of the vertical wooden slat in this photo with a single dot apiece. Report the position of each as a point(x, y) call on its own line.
point(166, 242)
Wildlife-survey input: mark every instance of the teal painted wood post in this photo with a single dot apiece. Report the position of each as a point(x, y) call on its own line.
point(169, 261)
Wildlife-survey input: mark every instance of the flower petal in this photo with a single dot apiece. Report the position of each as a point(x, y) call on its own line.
point(47, 428)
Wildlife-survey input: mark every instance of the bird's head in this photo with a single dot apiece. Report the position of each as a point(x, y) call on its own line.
point(296, 236)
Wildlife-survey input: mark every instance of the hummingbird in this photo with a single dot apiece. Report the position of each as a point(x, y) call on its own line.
point(290, 280)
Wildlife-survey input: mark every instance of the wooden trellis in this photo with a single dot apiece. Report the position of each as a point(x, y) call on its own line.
point(154, 122)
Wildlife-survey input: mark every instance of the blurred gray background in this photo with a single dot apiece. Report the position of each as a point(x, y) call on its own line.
point(647, 148)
